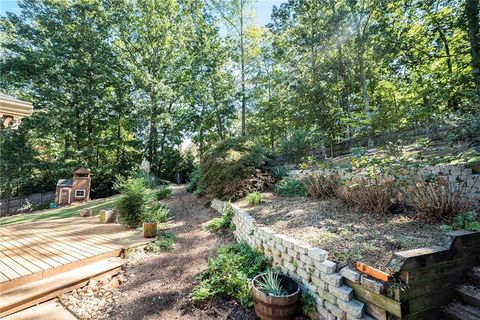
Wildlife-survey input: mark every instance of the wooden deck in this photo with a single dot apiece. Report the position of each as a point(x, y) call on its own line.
point(34, 251)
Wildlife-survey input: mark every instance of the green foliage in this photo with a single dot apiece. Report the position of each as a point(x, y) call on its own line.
point(254, 198)
point(166, 241)
point(223, 224)
point(307, 303)
point(279, 172)
point(230, 274)
point(132, 202)
point(163, 193)
point(194, 180)
point(271, 284)
point(199, 192)
point(465, 221)
point(297, 145)
point(157, 212)
point(235, 167)
point(290, 187)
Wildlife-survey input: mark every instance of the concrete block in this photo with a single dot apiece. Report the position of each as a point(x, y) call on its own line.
point(317, 254)
point(343, 292)
point(326, 266)
point(354, 307)
point(372, 285)
point(306, 259)
point(350, 274)
point(340, 314)
point(335, 279)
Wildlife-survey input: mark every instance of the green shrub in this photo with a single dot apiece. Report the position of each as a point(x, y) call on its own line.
point(254, 198)
point(279, 172)
point(297, 145)
point(224, 223)
point(234, 168)
point(199, 192)
point(132, 201)
point(307, 303)
point(163, 193)
point(158, 213)
point(194, 180)
point(290, 187)
point(165, 241)
point(230, 274)
point(465, 221)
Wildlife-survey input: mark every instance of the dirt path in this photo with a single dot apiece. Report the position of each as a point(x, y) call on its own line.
point(158, 286)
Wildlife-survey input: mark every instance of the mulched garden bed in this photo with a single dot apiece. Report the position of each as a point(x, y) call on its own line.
point(348, 234)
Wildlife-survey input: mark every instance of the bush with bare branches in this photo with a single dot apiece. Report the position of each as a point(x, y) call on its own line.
point(436, 198)
point(376, 195)
point(321, 184)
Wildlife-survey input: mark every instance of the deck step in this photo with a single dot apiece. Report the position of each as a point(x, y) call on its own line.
point(27, 295)
point(475, 276)
point(458, 311)
point(469, 294)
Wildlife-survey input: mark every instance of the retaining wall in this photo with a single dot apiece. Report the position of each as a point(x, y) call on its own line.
point(308, 264)
point(422, 279)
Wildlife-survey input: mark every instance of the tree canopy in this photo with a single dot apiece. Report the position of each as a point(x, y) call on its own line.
point(115, 82)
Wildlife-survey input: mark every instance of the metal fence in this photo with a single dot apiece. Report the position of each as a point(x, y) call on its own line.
point(10, 206)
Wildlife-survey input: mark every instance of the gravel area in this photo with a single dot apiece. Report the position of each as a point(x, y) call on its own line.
point(348, 234)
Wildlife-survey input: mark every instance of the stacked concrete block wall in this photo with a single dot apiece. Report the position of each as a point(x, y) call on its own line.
point(308, 264)
point(422, 279)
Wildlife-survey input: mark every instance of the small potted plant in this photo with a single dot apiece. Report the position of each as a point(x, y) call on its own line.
point(275, 296)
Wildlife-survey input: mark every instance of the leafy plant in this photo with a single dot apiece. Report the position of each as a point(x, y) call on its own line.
point(194, 179)
point(132, 202)
point(224, 223)
point(165, 241)
point(230, 273)
point(163, 193)
point(158, 213)
point(278, 172)
point(271, 284)
point(290, 187)
point(254, 198)
point(199, 192)
point(465, 221)
point(307, 303)
point(321, 185)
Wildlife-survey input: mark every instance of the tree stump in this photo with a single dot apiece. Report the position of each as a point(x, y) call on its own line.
point(107, 216)
point(85, 213)
point(149, 229)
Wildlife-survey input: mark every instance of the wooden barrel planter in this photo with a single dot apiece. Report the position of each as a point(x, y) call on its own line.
point(268, 307)
point(149, 229)
point(107, 216)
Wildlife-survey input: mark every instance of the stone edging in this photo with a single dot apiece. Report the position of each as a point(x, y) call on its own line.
point(308, 264)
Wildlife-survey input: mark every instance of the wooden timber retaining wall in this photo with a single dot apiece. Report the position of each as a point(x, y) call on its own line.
point(422, 279)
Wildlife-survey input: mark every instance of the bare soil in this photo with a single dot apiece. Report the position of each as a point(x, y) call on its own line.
point(348, 234)
point(158, 286)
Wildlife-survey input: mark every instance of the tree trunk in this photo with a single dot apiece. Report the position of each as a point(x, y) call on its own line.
point(242, 58)
point(472, 11)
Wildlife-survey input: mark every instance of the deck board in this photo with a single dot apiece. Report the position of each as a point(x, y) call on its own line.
point(38, 248)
